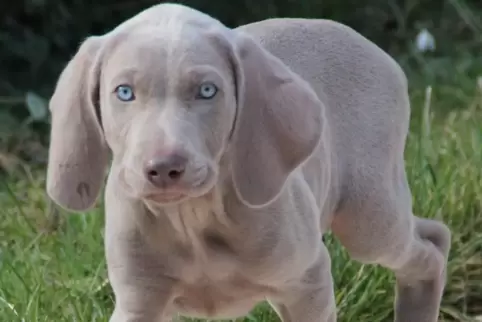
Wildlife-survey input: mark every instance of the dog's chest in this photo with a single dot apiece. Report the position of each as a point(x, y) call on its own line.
point(201, 242)
point(227, 299)
point(212, 282)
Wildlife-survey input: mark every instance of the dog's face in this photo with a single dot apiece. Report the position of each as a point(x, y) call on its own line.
point(168, 106)
point(168, 93)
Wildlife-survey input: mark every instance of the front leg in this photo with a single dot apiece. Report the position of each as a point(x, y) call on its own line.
point(143, 292)
point(140, 304)
point(313, 300)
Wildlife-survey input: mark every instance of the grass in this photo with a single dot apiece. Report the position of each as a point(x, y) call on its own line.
point(52, 265)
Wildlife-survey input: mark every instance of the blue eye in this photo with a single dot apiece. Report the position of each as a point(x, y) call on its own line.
point(207, 91)
point(124, 93)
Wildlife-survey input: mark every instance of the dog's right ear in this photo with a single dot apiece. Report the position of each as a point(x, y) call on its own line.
point(279, 123)
point(78, 153)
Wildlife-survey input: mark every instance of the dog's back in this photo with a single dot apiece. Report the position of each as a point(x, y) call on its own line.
point(365, 95)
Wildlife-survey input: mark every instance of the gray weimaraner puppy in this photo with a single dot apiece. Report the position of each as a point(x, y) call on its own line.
point(233, 151)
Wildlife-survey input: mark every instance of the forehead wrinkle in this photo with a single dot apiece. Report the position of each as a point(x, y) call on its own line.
point(173, 28)
point(187, 54)
point(144, 51)
point(164, 53)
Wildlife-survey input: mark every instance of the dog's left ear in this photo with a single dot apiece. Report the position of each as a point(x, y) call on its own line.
point(78, 152)
point(279, 122)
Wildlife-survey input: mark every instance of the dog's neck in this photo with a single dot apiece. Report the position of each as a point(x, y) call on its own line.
point(191, 216)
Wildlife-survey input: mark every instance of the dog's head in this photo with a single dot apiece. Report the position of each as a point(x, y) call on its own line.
point(169, 93)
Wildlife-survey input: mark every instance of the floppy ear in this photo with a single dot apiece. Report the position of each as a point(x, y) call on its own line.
point(77, 152)
point(279, 123)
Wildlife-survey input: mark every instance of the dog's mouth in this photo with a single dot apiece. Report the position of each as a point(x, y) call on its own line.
point(177, 194)
point(166, 197)
point(171, 196)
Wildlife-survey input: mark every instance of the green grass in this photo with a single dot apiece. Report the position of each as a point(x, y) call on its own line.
point(52, 265)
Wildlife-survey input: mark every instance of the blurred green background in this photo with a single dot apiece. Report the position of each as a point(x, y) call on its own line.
point(52, 265)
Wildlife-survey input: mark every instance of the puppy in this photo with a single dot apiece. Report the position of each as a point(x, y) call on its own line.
point(233, 151)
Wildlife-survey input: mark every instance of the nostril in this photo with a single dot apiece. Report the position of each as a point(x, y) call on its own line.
point(175, 174)
point(152, 173)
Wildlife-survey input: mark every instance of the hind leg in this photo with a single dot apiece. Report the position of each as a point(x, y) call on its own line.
point(418, 292)
point(382, 230)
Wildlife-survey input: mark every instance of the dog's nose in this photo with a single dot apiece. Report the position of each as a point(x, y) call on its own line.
point(166, 170)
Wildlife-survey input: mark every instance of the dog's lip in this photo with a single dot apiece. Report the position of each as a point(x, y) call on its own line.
point(174, 195)
point(165, 197)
